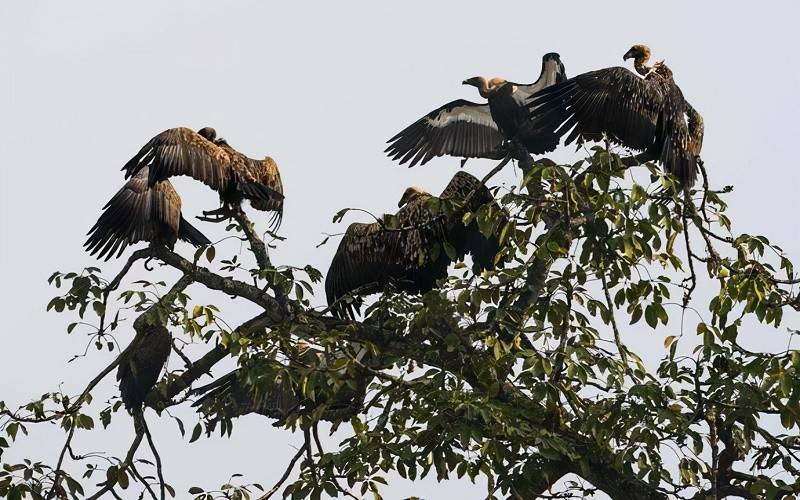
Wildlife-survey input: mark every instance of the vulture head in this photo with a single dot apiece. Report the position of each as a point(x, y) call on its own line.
point(475, 81)
point(638, 52)
point(410, 194)
point(208, 133)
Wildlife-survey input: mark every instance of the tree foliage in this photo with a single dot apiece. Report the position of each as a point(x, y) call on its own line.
point(519, 375)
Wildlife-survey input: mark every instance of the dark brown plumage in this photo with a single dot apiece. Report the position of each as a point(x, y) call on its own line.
point(233, 395)
point(470, 130)
point(646, 114)
point(212, 161)
point(141, 213)
point(414, 256)
point(142, 363)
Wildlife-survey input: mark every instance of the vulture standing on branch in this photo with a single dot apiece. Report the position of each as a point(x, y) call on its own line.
point(471, 130)
point(212, 161)
point(141, 364)
point(646, 114)
point(417, 253)
point(141, 213)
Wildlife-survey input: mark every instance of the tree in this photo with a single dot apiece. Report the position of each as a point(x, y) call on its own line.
point(519, 375)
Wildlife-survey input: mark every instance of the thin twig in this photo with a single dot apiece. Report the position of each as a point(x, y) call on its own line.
point(286, 473)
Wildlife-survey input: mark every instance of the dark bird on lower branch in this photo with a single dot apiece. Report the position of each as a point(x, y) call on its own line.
point(472, 130)
point(142, 363)
point(212, 161)
point(414, 248)
point(647, 113)
point(235, 395)
point(141, 213)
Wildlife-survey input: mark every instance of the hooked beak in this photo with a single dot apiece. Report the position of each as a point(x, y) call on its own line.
point(465, 82)
point(628, 55)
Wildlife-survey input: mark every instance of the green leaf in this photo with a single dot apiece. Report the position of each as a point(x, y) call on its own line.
point(196, 433)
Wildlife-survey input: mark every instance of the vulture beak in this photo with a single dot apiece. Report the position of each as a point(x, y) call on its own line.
point(628, 55)
point(465, 82)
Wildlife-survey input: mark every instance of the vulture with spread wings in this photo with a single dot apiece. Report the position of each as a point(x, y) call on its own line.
point(212, 161)
point(429, 234)
point(139, 212)
point(471, 130)
point(646, 114)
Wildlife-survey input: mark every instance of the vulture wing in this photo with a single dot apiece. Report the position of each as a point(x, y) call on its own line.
point(232, 396)
point(141, 365)
point(182, 151)
point(370, 256)
point(264, 179)
point(459, 128)
point(466, 188)
point(141, 213)
point(613, 101)
point(552, 72)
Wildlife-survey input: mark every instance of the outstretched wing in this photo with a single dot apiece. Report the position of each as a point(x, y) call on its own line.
point(182, 151)
point(140, 213)
point(459, 128)
point(264, 177)
point(613, 101)
point(552, 72)
point(367, 257)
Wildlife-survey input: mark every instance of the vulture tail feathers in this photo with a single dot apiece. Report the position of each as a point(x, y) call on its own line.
point(191, 234)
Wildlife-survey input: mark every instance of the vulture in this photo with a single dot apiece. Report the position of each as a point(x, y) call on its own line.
point(233, 396)
point(480, 130)
point(418, 252)
point(647, 114)
point(212, 161)
point(139, 212)
point(141, 364)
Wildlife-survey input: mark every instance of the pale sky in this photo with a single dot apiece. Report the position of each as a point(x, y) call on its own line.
point(320, 86)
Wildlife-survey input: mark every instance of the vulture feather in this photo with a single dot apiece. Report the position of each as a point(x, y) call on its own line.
point(414, 255)
point(141, 213)
point(212, 161)
point(471, 130)
point(646, 114)
point(142, 363)
point(233, 396)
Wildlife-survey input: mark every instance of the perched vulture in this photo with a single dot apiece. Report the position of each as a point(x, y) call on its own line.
point(471, 130)
point(232, 396)
point(212, 161)
point(414, 255)
point(141, 365)
point(141, 213)
point(646, 114)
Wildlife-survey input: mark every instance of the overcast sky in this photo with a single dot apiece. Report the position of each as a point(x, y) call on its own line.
point(320, 87)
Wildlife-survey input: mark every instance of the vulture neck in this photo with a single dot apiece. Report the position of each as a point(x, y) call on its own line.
point(488, 87)
point(639, 64)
